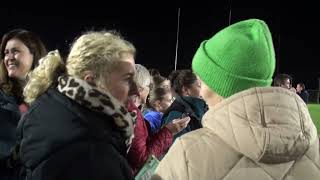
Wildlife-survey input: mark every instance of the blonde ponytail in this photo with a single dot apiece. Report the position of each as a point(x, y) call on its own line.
point(42, 77)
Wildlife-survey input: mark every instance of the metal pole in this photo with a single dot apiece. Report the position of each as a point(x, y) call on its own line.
point(230, 14)
point(177, 42)
point(318, 92)
point(230, 11)
point(278, 54)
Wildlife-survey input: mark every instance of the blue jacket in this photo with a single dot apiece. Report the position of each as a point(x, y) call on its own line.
point(154, 119)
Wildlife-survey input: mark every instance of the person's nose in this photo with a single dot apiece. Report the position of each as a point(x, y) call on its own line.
point(133, 89)
point(10, 56)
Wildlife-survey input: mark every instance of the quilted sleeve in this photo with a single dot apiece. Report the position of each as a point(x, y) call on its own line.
point(173, 166)
point(144, 144)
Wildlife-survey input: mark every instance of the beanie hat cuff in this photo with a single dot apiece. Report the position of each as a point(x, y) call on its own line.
point(220, 80)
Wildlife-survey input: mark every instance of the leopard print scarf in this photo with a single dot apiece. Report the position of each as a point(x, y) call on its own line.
point(89, 96)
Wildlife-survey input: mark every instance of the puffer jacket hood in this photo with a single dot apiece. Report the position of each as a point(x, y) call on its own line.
point(268, 125)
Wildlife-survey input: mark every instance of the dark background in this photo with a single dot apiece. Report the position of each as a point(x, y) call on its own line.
point(153, 32)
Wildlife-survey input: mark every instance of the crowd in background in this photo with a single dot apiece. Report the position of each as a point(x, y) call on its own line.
point(99, 115)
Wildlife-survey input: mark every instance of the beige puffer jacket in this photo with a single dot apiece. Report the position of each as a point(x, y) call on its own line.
point(260, 133)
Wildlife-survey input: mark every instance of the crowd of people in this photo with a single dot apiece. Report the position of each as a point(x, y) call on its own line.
point(100, 115)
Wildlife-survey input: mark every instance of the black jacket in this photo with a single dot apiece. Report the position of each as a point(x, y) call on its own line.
point(304, 95)
point(190, 106)
point(9, 117)
point(61, 140)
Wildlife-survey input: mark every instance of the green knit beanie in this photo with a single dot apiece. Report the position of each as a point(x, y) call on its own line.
point(238, 57)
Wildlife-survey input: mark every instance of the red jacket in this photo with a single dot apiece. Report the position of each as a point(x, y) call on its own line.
point(144, 144)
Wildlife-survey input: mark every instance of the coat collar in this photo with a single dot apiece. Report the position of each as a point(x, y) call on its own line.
point(269, 125)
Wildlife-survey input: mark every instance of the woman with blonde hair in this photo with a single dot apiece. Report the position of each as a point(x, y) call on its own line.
point(77, 126)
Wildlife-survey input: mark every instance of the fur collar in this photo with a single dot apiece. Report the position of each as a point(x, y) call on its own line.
point(86, 95)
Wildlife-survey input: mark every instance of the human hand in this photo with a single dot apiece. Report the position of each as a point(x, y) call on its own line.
point(178, 125)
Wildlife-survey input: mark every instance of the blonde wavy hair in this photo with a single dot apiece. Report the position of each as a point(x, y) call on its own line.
point(97, 52)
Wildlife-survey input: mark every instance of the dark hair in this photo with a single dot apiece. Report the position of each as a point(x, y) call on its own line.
point(280, 79)
point(157, 80)
point(173, 75)
point(157, 94)
point(301, 85)
point(36, 48)
point(154, 72)
point(184, 78)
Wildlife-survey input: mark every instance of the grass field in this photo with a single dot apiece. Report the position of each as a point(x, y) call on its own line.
point(314, 110)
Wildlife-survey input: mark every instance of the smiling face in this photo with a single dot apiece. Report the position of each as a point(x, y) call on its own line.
point(17, 59)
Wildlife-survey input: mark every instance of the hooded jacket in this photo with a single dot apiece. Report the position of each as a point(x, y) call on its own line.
point(260, 133)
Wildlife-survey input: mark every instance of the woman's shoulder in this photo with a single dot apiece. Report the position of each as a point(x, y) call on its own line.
point(52, 104)
point(8, 102)
point(193, 100)
point(4, 97)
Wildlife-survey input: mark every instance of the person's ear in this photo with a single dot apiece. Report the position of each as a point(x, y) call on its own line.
point(185, 91)
point(140, 90)
point(157, 105)
point(89, 78)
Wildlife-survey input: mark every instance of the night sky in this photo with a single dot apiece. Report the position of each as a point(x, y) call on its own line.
point(153, 32)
